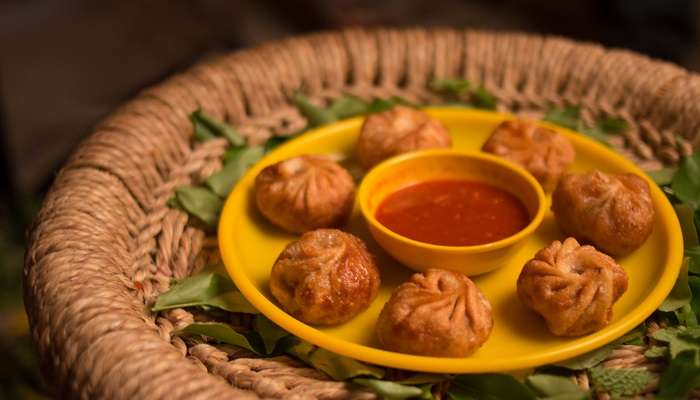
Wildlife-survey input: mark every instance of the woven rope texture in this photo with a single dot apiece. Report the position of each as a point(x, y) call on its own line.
point(105, 243)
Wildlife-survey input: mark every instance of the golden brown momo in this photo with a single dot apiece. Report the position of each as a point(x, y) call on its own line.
point(542, 151)
point(614, 212)
point(572, 287)
point(396, 131)
point(326, 277)
point(304, 193)
point(435, 313)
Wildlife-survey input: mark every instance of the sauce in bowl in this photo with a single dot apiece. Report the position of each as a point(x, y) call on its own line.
point(453, 213)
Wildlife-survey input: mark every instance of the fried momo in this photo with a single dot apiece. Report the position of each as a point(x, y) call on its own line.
point(324, 278)
point(304, 193)
point(542, 151)
point(614, 212)
point(397, 131)
point(435, 313)
point(572, 287)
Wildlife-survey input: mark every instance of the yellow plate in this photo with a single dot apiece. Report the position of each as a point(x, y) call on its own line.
point(250, 245)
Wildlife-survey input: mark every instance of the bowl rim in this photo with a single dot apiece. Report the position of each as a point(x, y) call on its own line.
point(363, 197)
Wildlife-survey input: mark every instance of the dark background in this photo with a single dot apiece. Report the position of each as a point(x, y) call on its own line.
point(64, 64)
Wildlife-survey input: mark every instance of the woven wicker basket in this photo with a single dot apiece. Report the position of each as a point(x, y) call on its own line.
point(106, 244)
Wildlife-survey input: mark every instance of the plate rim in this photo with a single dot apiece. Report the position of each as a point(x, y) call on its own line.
point(391, 359)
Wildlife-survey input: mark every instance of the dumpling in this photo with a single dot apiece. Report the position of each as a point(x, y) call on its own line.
point(572, 287)
point(324, 278)
point(435, 313)
point(614, 212)
point(542, 151)
point(396, 131)
point(304, 193)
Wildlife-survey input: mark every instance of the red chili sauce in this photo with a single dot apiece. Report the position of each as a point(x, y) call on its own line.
point(453, 213)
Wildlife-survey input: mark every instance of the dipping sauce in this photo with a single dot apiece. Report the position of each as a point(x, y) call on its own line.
point(453, 213)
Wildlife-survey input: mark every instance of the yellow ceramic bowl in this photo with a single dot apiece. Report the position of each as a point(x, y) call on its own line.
point(408, 169)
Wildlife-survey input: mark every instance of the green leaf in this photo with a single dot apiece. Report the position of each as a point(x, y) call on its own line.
point(595, 357)
point(173, 202)
point(686, 316)
point(656, 352)
point(427, 390)
point(686, 218)
point(566, 396)
point(669, 193)
point(348, 106)
point(336, 366)
point(201, 132)
point(679, 339)
point(274, 142)
point(488, 387)
point(237, 163)
point(680, 294)
point(691, 332)
point(207, 127)
point(316, 116)
point(269, 332)
point(482, 98)
point(612, 125)
point(694, 283)
point(379, 105)
point(232, 153)
point(681, 376)
point(232, 301)
point(403, 102)
point(479, 97)
point(693, 256)
point(224, 333)
point(549, 386)
point(568, 117)
point(424, 378)
point(595, 133)
point(620, 381)
point(588, 360)
point(635, 336)
point(454, 86)
point(663, 176)
point(200, 202)
point(686, 182)
point(389, 390)
point(209, 289)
